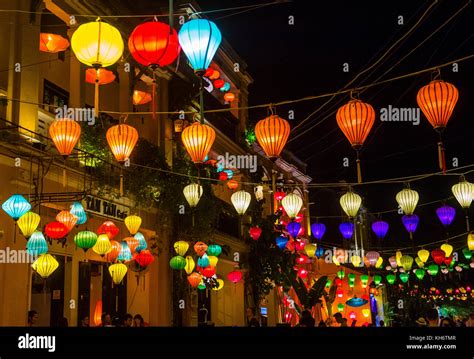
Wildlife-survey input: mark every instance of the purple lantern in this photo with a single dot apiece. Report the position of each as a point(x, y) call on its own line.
point(446, 214)
point(346, 229)
point(380, 229)
point(293, 228)
point(318, 230)
point(410, 222)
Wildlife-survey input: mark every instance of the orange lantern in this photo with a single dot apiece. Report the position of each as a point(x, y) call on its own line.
point(198, 139)
point(355, 119)
point(200, 248)
point(215, 75)
point(122, 139)
point(67, 218)
point(52, 43)
point(65, 133)
point(194, 279)
point(132, 243)
point(113, 254)
point(103, 76)
point(272, 133)
point(437, 101)
point(229, 97)
point(98, 313)
point(141, 97)
point(232, 184)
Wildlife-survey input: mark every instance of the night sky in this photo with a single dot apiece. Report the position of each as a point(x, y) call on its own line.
point(293, 61)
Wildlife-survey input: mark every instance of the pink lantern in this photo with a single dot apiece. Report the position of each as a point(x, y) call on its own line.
point(235, 276)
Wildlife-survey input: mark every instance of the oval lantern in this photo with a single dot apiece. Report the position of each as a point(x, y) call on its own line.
point(190, 264)
point(438, 256)
point(52, 43)
point(56, 230)
point(208, 271)
point(78, 210)
point(318, 230)
point(219, 83)
point(133, 223)
point(141, 97)
point(446, 214)
point(350, 203)
point(220, 284)
point(310, 250)
point(109, 228)
point(45, 265)
point(411, 223)
point(116, 247)
point(272, 134)
point(67, 218)
point(198, 140)
point(117, 272)
point(125, 253)
point(232, 184)
point(122, 140)
point(214, 250)
point(101, 76)
point(255, 232)
point(463, 193)
point(16, 206)
point(181, 247)
point(407, 262)
point(36, 244)
point(292, 204)
point(194, 279)
point(144, 258)
point(193, 192)
point(64, 133)
point(293, 228)
point(470, 241)
point(447, 249)
point(372, 257)
point(142, 244)
point(380, 228)
point(132, 243)
point(200, 248)
point(85, 239)
point(103, 245)
point(407, 199)
point(346, 229)
point(241, 201)
point(423, 254)
point(229, 97)
point(213, 261)
point(235, 276)
point(28, 223)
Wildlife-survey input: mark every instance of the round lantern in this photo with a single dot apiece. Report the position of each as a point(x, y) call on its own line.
point(292, 204)
point(372, 257)
point(424, 255)
point(407, 262)
point(356, 261)
point(200, 248)
point(99, 76)
point(366, 313)
point(310, 249)
point(133, 223)
point(232, 184)
point(463, 193)
point(28, 223)
point(446, 214)
point(380, 228)
point(181, 247)
point(470, 241)
point(318, 230)
point(125, 253)
point(56, 230)
point(281, 242)
point(364, 278)
point(293, 228)
point(235, 276)
point(141, 97)
point(438, 256)
point(116, 247)
point(222, 176)
point(203, 261)
point(117, 272)
point(198, 139)
point(255, 232)
point(350, 203)
point(141, 242)
point(199, 39)
point(353, 315)
point(433, 269)
point(78, 210)
point(391, 278)
point(346, 229)
point(109, 228)
point(45, 265)
point(241, 201)
point(122, 140)
point(144, 258)
point(213, 261)
point(219, 83)
point(447, 249)
point(103, 245)
point(272, 133)
point(36, 244)
point(193, 192)
point(214, 250)
point(258, 191)
point(64, 133)
point(214, 75)
point(420, 273)
point(132, 243)
point(467, 253)
point(190, 264)
point(229, 97)
point(85, 239)
point(16, 206)
point(407, 199)
point(52, 43)
point(279, 195)
point(194, 279)
point(208, 272)
point(209, 72)
point(67, 218)
point(437, 101)
point(404, 277)
point(410, 222)
point(377, 279)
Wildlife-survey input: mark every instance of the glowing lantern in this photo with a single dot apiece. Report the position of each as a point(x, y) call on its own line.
point(28, 223)
point(419, 262)
point(379, 263)
point(125, 253)
point(117, 272)
point(16, 206)
point(350, 203)
point(56, 230)
point(98, 313)
point(407, 200)
point(132, 243)
point(194, 279)
point(391, 278)
point(258, 191)
point(225, 88)
point(209, 72)
point(36, 244)
point(141, 97)
point(292, 204)
point(470, 241)
point(52, 43)
point(203, 261)
point(447, 249)
point(144, 258)
point(353, 315)
point(208, 271)
point(356, 260)
point(222, 176)
point(373, 257)
point(189, 265)
point(380, 229)
point(200, 248)
point(310, 249)
point(407, 262)
point(319, 252)
point(67, 218)
point(424, 255)
point(364, 278)
point(366, 312)
point(229, 97)
point(241, 201)
point(232, 184)
point(45, 265)
point(272, 133)
point(463, 193)
point(255, 232)
point(116, 247)
point(213, 261)
point(340, 292)
point(200, 40)
point(85, 239)
point(341, 274)
point(214, 250)
point(404, 277)
point(433, 269)
point(122, 140)
point(410, 222)
point(398, 256)
point(78, 210)
point(133, 223)
point(346, 229)
point(109, 228)
point(219, 83)
point(355, 119)
point(420, 273)
point(181, 247)
point(351, 277)
point(377, 279)
point(100, 76)
point(281, 242)
point(438, 256)
point(193, 192)
point(235, 276)
point(198, 139)
point(467, 253)
point(318, 230)
point(393, 262)
point(64, 133)
point(446, 214)
point(103, 245)
point(293, 228)
point(220, 285)
point(141, 242)
point(279, 195)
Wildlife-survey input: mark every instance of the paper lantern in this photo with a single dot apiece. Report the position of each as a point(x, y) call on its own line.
point(219, 83)
point(214, 250)
point(64, 133)
point(232, 184)
point(424, 255)
point(125, 253)
point(116, 247)
point(437, 101)
point(272, 133)
point(85, 239)
point(208, 272)
point(353, 315)
point(28, 223)
point(463, 193)
point(446, 214)
point(194, 279)
point(181, 247)
point(189, 265)
point(319, 252)
point(98, 313)
point(372, 257)
point(346, 229)
point(78, 210)
point(318, 230)
point(99, 76)
point(380, 228)
point(407, 262)
point(377, 279)
point(292, 204)
point(220, 284)
point(203, 261)
point(419, 262)
point(209, 72)
point(398, 256)
point(141, 97)
point(281, 242)
point(258, 191)
point(470, 241)
point(433, 269)
point(193, 192)
point(229, 97)
point(447, 249)
point(199, 39)
point(407, 200)
point(235, 276)
point(438, 256)
point(142, 244)
point(420, 273)
point(310, 249)
point(117, 272)
point(103, 245)
point(350, 203)
point(366, 313)
point(67, 218)
point(132, 243)
point(153, 43)
point(133, 223)
point(364, 278)
point(56, 230)
point(122, 140)
point(279, 195)
point(144, 258)
point(222, 176)
point(467, 253)
point(255, 232)
point(293, 228)
point(109, 228)
point(213, 261)
point(410, 222)
point(16, 206)
point(52, 43)
point(241, 201)
point(404, 277)
point(198, 139)
point(200, 248)
point(36, 244)
point(45, 265)
point(356, 260)
point(390, 278)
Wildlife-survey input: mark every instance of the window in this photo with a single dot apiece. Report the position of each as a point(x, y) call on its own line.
point(54, 96)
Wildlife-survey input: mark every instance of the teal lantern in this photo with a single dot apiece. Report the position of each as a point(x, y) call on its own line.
point(16, 206)
point(377, 279)
point(36, 244)
point(199, 39)
point(141, 242)
point(203, 261)
point(391, 278)
point(178, 263)
point(214, 250)
point(78, 210)
point(404, 277)
point(125, 254)
point(226, 87)
point(230, 174)
point(85, 239)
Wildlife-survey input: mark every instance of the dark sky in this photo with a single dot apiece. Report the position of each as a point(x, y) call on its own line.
point(293, 61)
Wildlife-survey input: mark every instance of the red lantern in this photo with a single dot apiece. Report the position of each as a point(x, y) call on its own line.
point(141, 97)
point(144, 258)
point(255, 233)
point(438, 256)
point(448, 260)
point(338, 282)
point(299, 218)
point(208, 72)
point(232, 184)
point(340, 292)
point(235, 276)
point(52, 43)
point(103, 76)
point(208, 272)
point(113, 254)
point(215, 75)
point(132, 243)
point(353, 315)
point(219, 83)
point(109, 228)
point(56, 230)
point(200, 248)
point(198, 139)
point(299, 245)
point(279, 195)
point(303, 273)
point(222, 176)
point(194, 279)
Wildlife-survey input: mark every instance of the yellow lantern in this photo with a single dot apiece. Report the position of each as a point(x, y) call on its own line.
point(258, 190)
point(103, 245)
point(28, 223)
point(335, 261)
point(470, 241)
point(356, 260)
point(192, 192)
point(398, 256)
point(189, 265)
point(419, 262)
point(406, 262)
point(407, 200)
point(379, 262)
point(213, 261)
point(292, 204)
point(447, 249)
point(350, 203)
point(198, 140)
point(366, 312)
point(241, 201)
point(221, 284)
point(181, 247)
point(45, 265)
point(463, 193)
point(310, 249)
point(133, 223)
point(117, 272)
point(424, 255)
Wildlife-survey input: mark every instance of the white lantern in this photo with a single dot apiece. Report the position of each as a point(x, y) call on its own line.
point(463, 191)
point(407, 200)
point(241, 201)
point(350, 203)
point(292, 204)
point(192, 192)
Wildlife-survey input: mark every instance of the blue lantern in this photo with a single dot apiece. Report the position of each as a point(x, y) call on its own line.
point(293, 228)
point(36, 244)
point(446, 214)
point(380, 229)
point(318, 230)
point(410, 222)
point(78, 210)
point(226, 87)
point(220, 167)
point(319, 252)
point(125, 253)
point(16, 206)
point(203, 261)
point(281, 242)
point(199, 39)
point(141, 242)
point(346, 229)
point(230, 174)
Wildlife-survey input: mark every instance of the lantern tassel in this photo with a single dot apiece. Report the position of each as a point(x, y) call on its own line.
point(121, 184)
point(359, 171)
point(153, 96)
point(441, 157)
point(467, 221)
point(64, 177)
point(96, 95)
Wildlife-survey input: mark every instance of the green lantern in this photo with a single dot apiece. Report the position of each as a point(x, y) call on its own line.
point(341, 274)
point(351, 277)
point(364, 278)
point(433, 269)
point(391, 278)
point(377, 279)
point(85, 239)
point(178, 262)
point(214, 250)
point(201, 286)
point(404, 277)
point(420, 273)
point(340, 307)
point(328, 283)
point(467, 253)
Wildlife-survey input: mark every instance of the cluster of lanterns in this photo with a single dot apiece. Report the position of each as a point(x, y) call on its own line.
point(218, 83)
